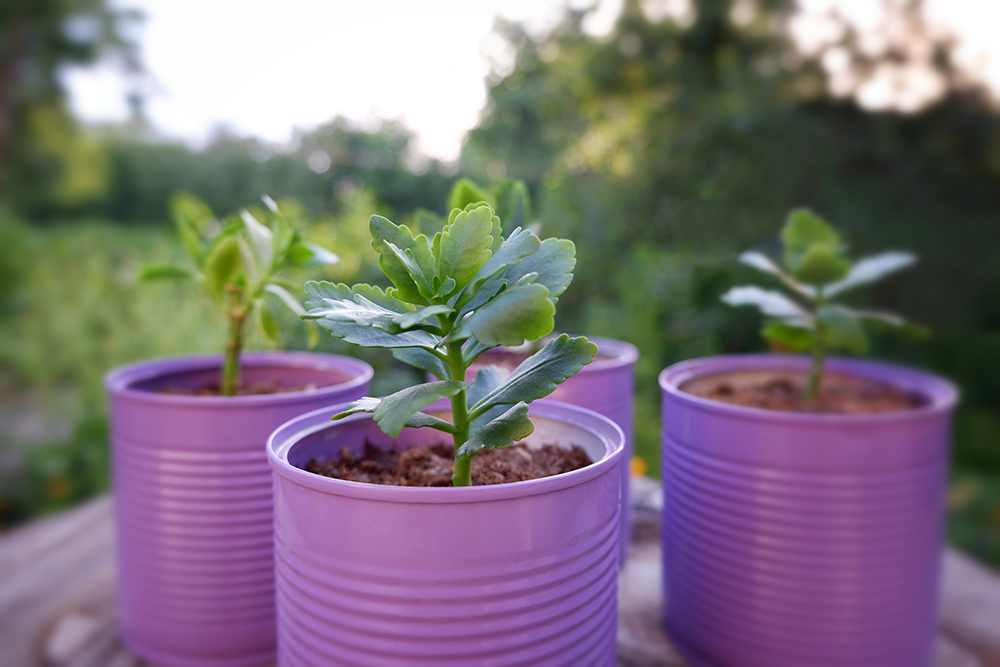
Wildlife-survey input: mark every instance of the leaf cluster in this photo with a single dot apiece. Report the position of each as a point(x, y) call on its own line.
point(815, 272)
point(454, 296)
point(240, 260)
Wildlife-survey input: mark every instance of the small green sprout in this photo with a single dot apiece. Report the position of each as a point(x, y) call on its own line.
point(816, 271)
point(455, 296)
point(239, 261)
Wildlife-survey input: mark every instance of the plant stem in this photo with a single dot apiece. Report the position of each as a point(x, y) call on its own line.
point(234, 345)
point(462, 475)
point(818, 353)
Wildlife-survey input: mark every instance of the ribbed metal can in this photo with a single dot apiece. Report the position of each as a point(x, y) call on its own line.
point(192, 497)
point(607, 386)
point(794, 539)
point(511, 574)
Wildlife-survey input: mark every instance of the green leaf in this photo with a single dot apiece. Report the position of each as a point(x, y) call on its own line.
point(503, 431)
point(422, 419)
point(524, 312)
point(396, 409)
point(286, 298)
point(191, 218)
point(222, 265)
point(795, 338)
point(364, 404)
point(769, 302)
point(842, 329)
point(410, 320)
point(424, 360)
point(871, 269)
point(541, 373)
point(488, 280)
point(316, 291)
point(305, 255)
point(268, 324)
point(804, 230)
point(554, 263)
point(465, 192)
point(513, 203)
point(762, 262)
point(487, 379)
point(465, 245)
point(261, 240)
point(365, 323)
point(820, 265)
point(385, 232)
point(155, 272)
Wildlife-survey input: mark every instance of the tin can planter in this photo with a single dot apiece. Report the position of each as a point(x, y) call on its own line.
point(796, 539)
point(192, 492)
point(607, 386)
point(511, 574)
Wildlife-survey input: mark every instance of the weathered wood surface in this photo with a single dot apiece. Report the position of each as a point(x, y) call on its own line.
point(57, 596)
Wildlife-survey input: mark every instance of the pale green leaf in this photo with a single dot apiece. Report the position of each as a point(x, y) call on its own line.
point(523, 312)
point(769, 302)
point(820, 265)
point(395, 410)
point(540, 374)
point(410, 320)
point(762, 262)
point(290, 301)
point(871, 269)
point(424, 360)
point(383, 233)
point(268, 324)
point(222, 265)
point(509, 427)
point(487, 379)
point(465, 245)
point(316, 291)
point(489, 279)
point(261, 240)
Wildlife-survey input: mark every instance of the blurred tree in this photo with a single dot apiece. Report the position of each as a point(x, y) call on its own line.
point(43, 156)
point(684, 135)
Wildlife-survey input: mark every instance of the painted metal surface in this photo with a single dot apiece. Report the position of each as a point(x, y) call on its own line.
point(803, 539)
point(192, 495)
point(511, 574)
point(607, 386)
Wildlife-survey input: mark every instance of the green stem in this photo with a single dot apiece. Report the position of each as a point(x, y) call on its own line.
point(818, 354)
point(462, 475)
point(234, 345)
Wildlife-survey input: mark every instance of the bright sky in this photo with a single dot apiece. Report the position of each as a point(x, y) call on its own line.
point(265, 67)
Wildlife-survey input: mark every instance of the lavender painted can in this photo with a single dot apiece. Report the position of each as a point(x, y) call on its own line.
point(796, 539)
point(511, 574)
point(193, 509)
point(607, 386)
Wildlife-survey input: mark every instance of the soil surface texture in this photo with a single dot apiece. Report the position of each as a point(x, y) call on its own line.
point(254, 389)
point(839, 394)
point(433, 466)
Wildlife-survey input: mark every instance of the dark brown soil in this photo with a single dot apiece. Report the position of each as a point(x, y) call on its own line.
point(839, 394)
point(433, 466)
point(255, 389)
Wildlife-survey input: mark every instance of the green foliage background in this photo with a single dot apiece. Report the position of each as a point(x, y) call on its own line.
point(662, 150)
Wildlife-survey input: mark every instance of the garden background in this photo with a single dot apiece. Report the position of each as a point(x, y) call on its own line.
point(679, 136)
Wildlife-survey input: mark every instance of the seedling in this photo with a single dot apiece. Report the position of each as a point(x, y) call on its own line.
point(454, 297)
point(815, 272)
point(238, 261)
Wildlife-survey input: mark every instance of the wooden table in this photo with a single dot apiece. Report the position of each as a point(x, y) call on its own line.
point(57, 603)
